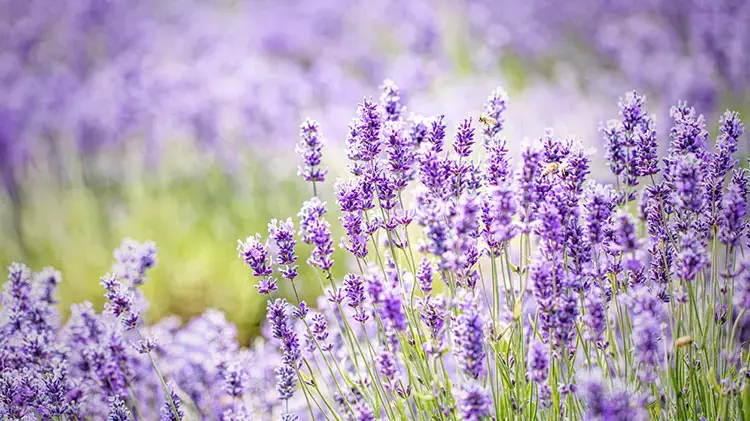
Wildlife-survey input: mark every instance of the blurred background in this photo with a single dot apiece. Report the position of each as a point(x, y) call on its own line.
point(175, 120)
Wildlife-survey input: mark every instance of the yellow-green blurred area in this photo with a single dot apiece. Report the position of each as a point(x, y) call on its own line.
point(189, 205)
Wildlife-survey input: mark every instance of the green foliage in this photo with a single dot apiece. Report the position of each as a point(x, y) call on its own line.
point(190, 205)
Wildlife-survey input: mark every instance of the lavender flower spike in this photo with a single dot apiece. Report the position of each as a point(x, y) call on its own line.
point(310, 148)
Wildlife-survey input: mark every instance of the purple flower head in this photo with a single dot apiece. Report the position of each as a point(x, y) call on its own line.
point(349, 196)
point(537, 360)
point(603, 404)
point(47, 280)
point(612, 133)
point(473, 402)
point(401, 155)
point(464, 139)
point(319, 330)
point(631, 142)
point(468, 336)
point(118, 411)
point(266, 286)
point(625, 234)
point(731, 129)
point(599, 202)
point(133, 260)
point(301, 311)
point(527, 180)
point(235, 380)
point(277, 316)
point(595, 318)
point(433, 172)
point(424, 275)
point(355, 290)
point(386, 363)
point(688, 132)
point(647, 149)
point(436, 134)
point(310, 147)
point(369, 122)
point(286, 381)
point(498, 210)
point(687, 175)
point(495, 107)
point(564, 319)
point(498, 161)
point(363, 412)
point(169, 412)
point(646, 338)
point(433, 314)
point(120, 301)
point(418, 129)
point(255, 254)
point(314, 229)
point(390, 101)
point(391, 310)
point(692, 258)
point(656, 205)
point(282, 233)
point(733, 219)
point(742, 286)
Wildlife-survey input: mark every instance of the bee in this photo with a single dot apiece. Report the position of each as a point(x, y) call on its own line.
point(562, 169)
point(550, 168)
point(683, 341)
point(488, 120)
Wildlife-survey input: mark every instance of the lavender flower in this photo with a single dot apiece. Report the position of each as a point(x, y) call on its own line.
point(314, 229)
point(133, 260)
point(424, 275)
point(537, 361)
point(310, 148)
point(468, 338)
point(286, 381)
point(498, 210)
point(282, 233)
point(473, 402)
point(733, 221)
point(595, 318)
point(255, 255)
point(603, 404)
point(688, 132)
point(596, 210)
point(170, 410)
point(120, 301)
point(498, 163)
point(118, 411)
point(390, 101)
point(464, 139)
point(235, 380)
point(494, 108)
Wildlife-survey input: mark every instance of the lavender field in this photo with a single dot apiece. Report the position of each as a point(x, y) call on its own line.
point(389, 210)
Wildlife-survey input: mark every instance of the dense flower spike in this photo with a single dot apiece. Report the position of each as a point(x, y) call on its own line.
point(390, 100)
point(495, 108)
point(474, 315)
point(473, 402)
point(469, 338)
point(310, 148)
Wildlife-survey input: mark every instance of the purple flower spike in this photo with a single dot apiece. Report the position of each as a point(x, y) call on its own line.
point(473, 402)
point(537, 360)
point(255, 254)
point(469, 338)
point(310, 148)
point(390, 101)
point(464, 139)
point(495, 107)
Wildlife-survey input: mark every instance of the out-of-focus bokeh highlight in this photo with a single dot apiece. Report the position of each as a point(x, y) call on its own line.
point(172, 120)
